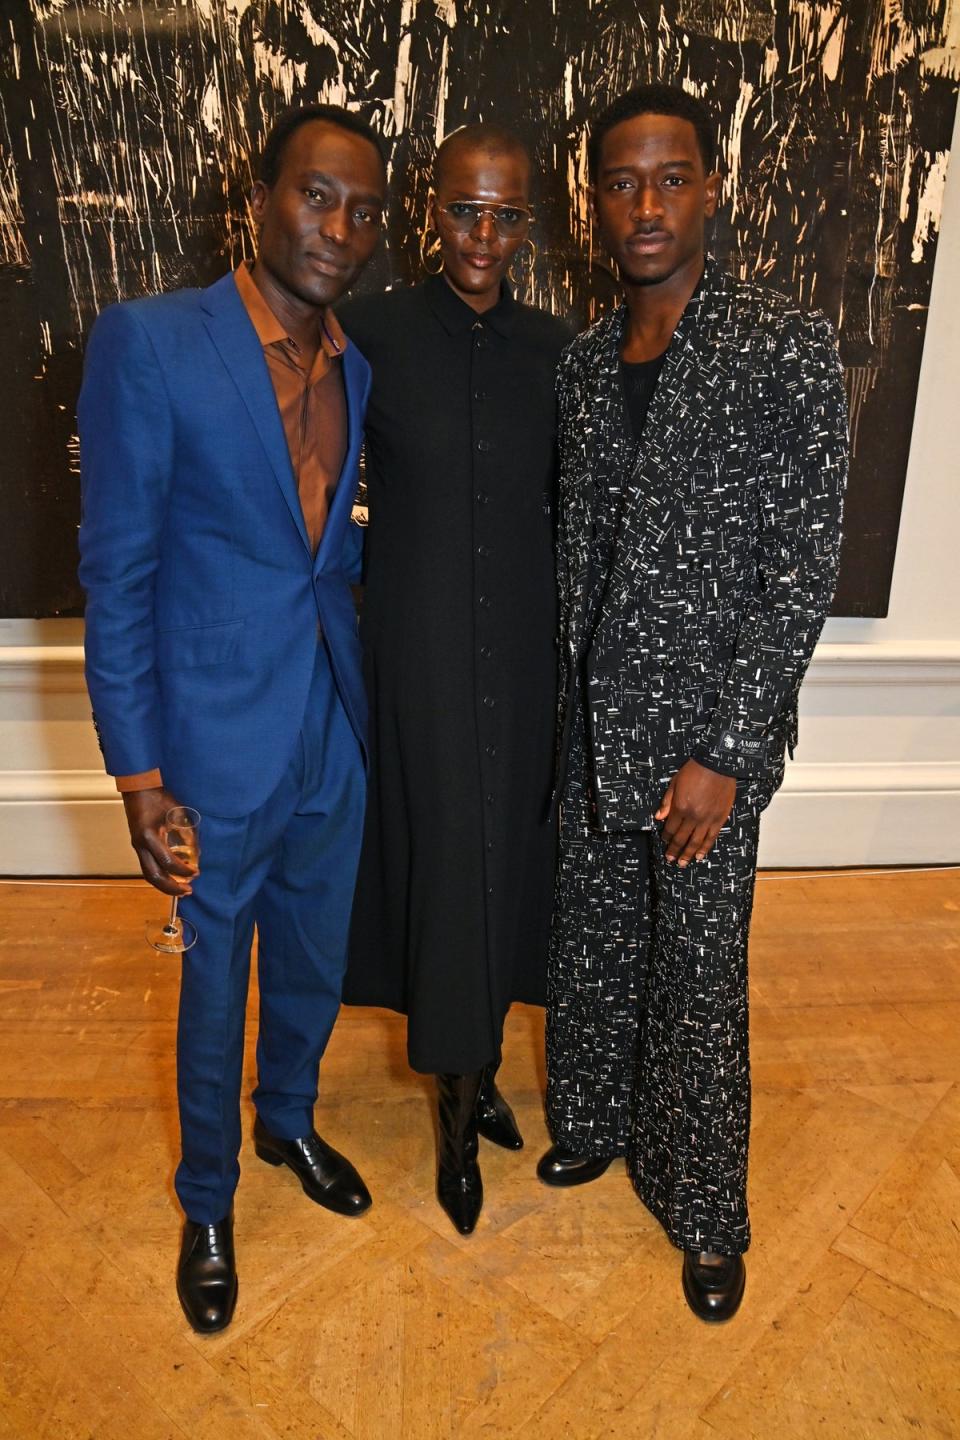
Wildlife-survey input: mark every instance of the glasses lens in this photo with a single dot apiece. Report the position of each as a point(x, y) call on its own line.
point(509, 221)
point(464, 215)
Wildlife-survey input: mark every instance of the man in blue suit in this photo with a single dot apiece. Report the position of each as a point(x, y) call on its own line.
point(220, 431)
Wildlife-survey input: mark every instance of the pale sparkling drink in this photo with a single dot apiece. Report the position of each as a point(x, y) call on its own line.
point(181, 833)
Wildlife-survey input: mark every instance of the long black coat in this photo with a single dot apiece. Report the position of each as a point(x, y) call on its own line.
point(451, 918)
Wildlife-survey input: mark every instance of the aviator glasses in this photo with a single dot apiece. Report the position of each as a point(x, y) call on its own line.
point(464, 215)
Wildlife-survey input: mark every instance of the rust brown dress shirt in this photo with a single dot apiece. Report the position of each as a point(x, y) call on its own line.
point(313, 409)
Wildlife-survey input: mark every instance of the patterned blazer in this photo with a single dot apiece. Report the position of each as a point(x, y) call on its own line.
point(724, 536)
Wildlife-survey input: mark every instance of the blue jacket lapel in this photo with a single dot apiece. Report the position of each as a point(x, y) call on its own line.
point(232, 332)
point(356, 379)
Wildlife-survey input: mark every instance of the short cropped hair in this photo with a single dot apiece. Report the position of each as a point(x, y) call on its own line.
point(653, 100)
point(287, 124)
point(487, 138)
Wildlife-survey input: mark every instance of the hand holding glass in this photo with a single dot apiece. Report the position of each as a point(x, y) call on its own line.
point(181, 833)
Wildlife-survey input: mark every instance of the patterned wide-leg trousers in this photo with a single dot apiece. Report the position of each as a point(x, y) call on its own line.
point(647, 1018)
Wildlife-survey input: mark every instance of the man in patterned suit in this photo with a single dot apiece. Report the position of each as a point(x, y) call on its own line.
point(703, 461)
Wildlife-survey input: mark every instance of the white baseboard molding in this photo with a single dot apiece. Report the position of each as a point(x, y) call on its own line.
point(861, 827)
point(70, 822)
point(65, 837)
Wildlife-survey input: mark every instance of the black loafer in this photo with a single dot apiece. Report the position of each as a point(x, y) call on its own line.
point(713, 1284)
point(207, 1275)
point(562, 1168)
point(495, 1120)
point(326, 1175)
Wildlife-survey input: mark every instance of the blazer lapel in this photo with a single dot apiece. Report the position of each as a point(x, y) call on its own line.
point(676, 431)
point(594, 442)
point(355, 378)
point(232, 333)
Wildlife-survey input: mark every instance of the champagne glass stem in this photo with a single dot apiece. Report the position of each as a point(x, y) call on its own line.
point(171, 926)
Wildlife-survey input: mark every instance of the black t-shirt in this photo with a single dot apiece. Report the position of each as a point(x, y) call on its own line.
point(639, 382)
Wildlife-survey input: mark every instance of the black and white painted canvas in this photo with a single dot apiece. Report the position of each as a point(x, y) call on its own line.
point(127, 126)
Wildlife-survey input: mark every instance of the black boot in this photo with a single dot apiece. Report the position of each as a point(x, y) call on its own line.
point(713, 1284)
point(561, 1168)
point(495, 1120)
point(459, 1187)
point(207, 1275)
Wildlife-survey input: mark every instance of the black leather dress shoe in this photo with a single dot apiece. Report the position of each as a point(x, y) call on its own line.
point(561, 1167)
point(207, 1275)
point(495, 1120)
point(713, 1284)
point(326, 1175)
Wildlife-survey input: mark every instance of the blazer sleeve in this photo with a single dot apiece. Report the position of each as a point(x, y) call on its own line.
point(126, 470)
point(804, 473)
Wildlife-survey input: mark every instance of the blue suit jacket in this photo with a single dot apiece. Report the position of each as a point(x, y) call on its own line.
point(203, 595)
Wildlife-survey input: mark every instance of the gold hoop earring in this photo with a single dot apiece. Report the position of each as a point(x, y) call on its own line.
point(534, 252)
point(428, 249)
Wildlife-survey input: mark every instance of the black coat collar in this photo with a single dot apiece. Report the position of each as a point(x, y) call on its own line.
point(456, 316)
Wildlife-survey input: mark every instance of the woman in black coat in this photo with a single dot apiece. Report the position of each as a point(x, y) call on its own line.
point(454, 891)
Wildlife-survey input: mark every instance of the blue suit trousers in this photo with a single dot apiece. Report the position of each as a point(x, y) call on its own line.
point(287, 869)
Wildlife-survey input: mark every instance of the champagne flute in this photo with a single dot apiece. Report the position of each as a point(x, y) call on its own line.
point(181, 833)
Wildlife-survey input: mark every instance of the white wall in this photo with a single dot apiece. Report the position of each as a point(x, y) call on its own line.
point(877, 776)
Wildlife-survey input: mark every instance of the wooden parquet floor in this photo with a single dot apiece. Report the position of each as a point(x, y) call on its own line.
point(562, 1316)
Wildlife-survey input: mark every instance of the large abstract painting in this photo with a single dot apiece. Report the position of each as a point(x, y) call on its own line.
point(127, 126)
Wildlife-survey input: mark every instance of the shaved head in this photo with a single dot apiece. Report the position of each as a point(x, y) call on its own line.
point(492, 140)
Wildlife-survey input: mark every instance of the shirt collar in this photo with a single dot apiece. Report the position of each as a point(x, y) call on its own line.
point(269, 330)
point(456, 316)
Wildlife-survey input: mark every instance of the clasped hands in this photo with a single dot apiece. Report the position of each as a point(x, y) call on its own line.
point(146, 811)
point(694, 809)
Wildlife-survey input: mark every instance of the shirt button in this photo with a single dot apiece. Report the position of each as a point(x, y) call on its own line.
point(483, 446)
point(485, 652)
point(485, 602)
point(490, 844)
point(489, 701)
point(479, 394)
point(483, 550)
point(489, 798)
point(482, 497)
point(492, 751)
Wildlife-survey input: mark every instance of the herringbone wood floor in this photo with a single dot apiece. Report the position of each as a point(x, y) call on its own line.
point(562, 1315)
